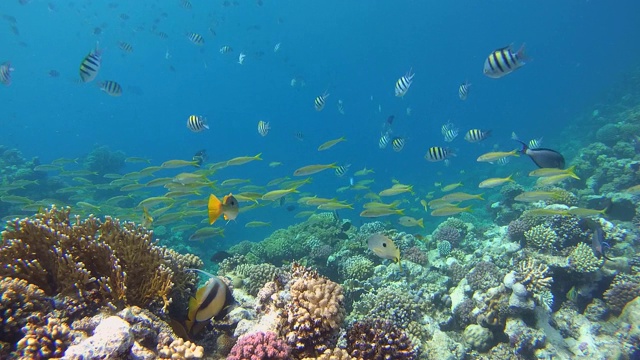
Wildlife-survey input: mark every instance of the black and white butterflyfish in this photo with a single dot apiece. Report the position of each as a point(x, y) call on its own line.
point(463, 90)
point(197, 123)
point(403, 84)
point(90, 65)
point(398, 143)
point(504, 61)
point(341, 170)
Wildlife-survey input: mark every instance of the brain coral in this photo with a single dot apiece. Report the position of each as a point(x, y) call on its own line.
point(314, 314)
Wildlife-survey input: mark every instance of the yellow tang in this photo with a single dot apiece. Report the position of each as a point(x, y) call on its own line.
point(384, 247)
point(312, 169)
point(331, 143)
point(243, 160)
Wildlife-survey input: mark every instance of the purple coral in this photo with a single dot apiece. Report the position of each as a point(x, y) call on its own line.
point(484, 275)
point(516, 230)
point(259, 346)
point(414, 254)
point(448, 233)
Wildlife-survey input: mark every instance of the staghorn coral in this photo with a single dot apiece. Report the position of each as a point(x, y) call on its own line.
point(378, 339)
point(623, 289)
point(582, 259)
point(541, 237)
point(315, 312)
point(357, 267)
point(532, 275)
point(44, 339)
point(18, 301)
point(100, 262)
point(259, 346)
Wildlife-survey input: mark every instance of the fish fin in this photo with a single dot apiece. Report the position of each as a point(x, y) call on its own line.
point(257, 157)
point(479, 198)
point(399, 263)
point(522, 55)
point(467, 209)
point(571, 172)
point(421, 223)
point(214, 208)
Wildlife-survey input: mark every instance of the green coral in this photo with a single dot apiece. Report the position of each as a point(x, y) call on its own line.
point(444, 248)
point(582, 259)
point(357, 267)
point(255, 276)
point(541, 237)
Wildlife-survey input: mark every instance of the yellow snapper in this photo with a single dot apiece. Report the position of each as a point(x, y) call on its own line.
point(582, 212)
point(395, 190)
point(460, 196)
point(275, 163)
point(451, 187)
point(384, 247)
point(277, 194)
point(635, 190)
point(551, 180)
point(493, 182)
point(234, 182)
point(312, 169)
point(334, 206)
point(497, 155)
point(547, 212)
point(363, 172)
point(533, 196)
point(545, 172)
point(331, 143)
point(380, 211)
point(213, 300)
point(450, 210)
point(409, 221)
point(243, 160)
point(173, 164)
point(252, 224)
point(206, 233)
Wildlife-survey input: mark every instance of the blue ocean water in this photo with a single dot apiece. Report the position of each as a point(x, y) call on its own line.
point(353, 50)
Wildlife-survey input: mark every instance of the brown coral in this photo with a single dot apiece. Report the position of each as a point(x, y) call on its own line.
point(18, 301)
point(44, 340)
point(180, 349)
point(315, 312)
point(332, 354)
point(533, 275)
point(98, 262)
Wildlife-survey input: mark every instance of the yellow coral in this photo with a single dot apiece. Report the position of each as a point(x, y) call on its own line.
point(582, 259)
point(49, 340)
point(180, 349)
point(533, 275)
point(332, 354)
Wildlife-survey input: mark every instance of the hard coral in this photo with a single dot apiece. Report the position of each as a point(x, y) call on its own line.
point(623, 289)
point(541, 237)
point(18, 301)
point(315, 312)
point(582, 259)
point(100, 262)
point(44, 340)
point(532, 275)
point(378, 339)
point(484, 276)
point(448, 233)
point(357, 267)
point(180, 349)
point(332, 354)
point(259, 346)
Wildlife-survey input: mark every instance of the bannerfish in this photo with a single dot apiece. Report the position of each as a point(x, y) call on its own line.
point(542, 157)
point(384, 247)
point(228, 207)
point(213, 300)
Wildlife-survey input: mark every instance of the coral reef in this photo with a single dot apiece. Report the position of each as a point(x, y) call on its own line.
point(259, 346)
point(44, 338)
point(582, 259)
point(623, 289)
point(378, 339)
point(19, 300)
point(484, 275)
point(541, 237)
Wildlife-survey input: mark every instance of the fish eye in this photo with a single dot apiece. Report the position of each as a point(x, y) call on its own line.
point(384, 244)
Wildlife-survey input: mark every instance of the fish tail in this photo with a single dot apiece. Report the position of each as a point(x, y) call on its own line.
point(214, 208)
point(467, 209)
point(400, 265)
point(571, 172)
point(479, 198)
point(421, 223)
point(522, 55)
point(524, 146)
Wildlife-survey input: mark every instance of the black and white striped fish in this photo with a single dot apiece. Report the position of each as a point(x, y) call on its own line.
point(5, 73)
point(403, 84)
point(398, 144)
point(437, 153)
point(226, 49)
point(90, 65)
point(125, 46)
point(385, 138)
point(476, 135)
point(111, 88)
point(535, 143)
point(504, 61)
point(341, 170)
point(263, 128)
point(320, 101)
point(463, 90)
point(195, 38)
point(197, 123)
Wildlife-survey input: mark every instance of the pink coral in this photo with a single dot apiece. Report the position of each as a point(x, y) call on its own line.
point(259, 346)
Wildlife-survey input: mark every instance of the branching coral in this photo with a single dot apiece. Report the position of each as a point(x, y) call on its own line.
point(315, 312)
point(18, 301)
point(260, 346)
point(44, 341)
point(378, 339)
point(541, 237)
point(357, 267)
point(582, 259)
point(532, 275)
point(94, 261)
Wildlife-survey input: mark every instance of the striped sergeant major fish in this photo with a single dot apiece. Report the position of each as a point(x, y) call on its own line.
point(341, 170)
point(90, 65)
point(504, 61)
point(437, 153)
point(5, 73)
point(403, 84)
point(477, 135)
point(320, 101)
point(195, 38)
point(385, 138)
point(111, 88)
point(398, 143)
point(197, 123)
point(463, 90)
